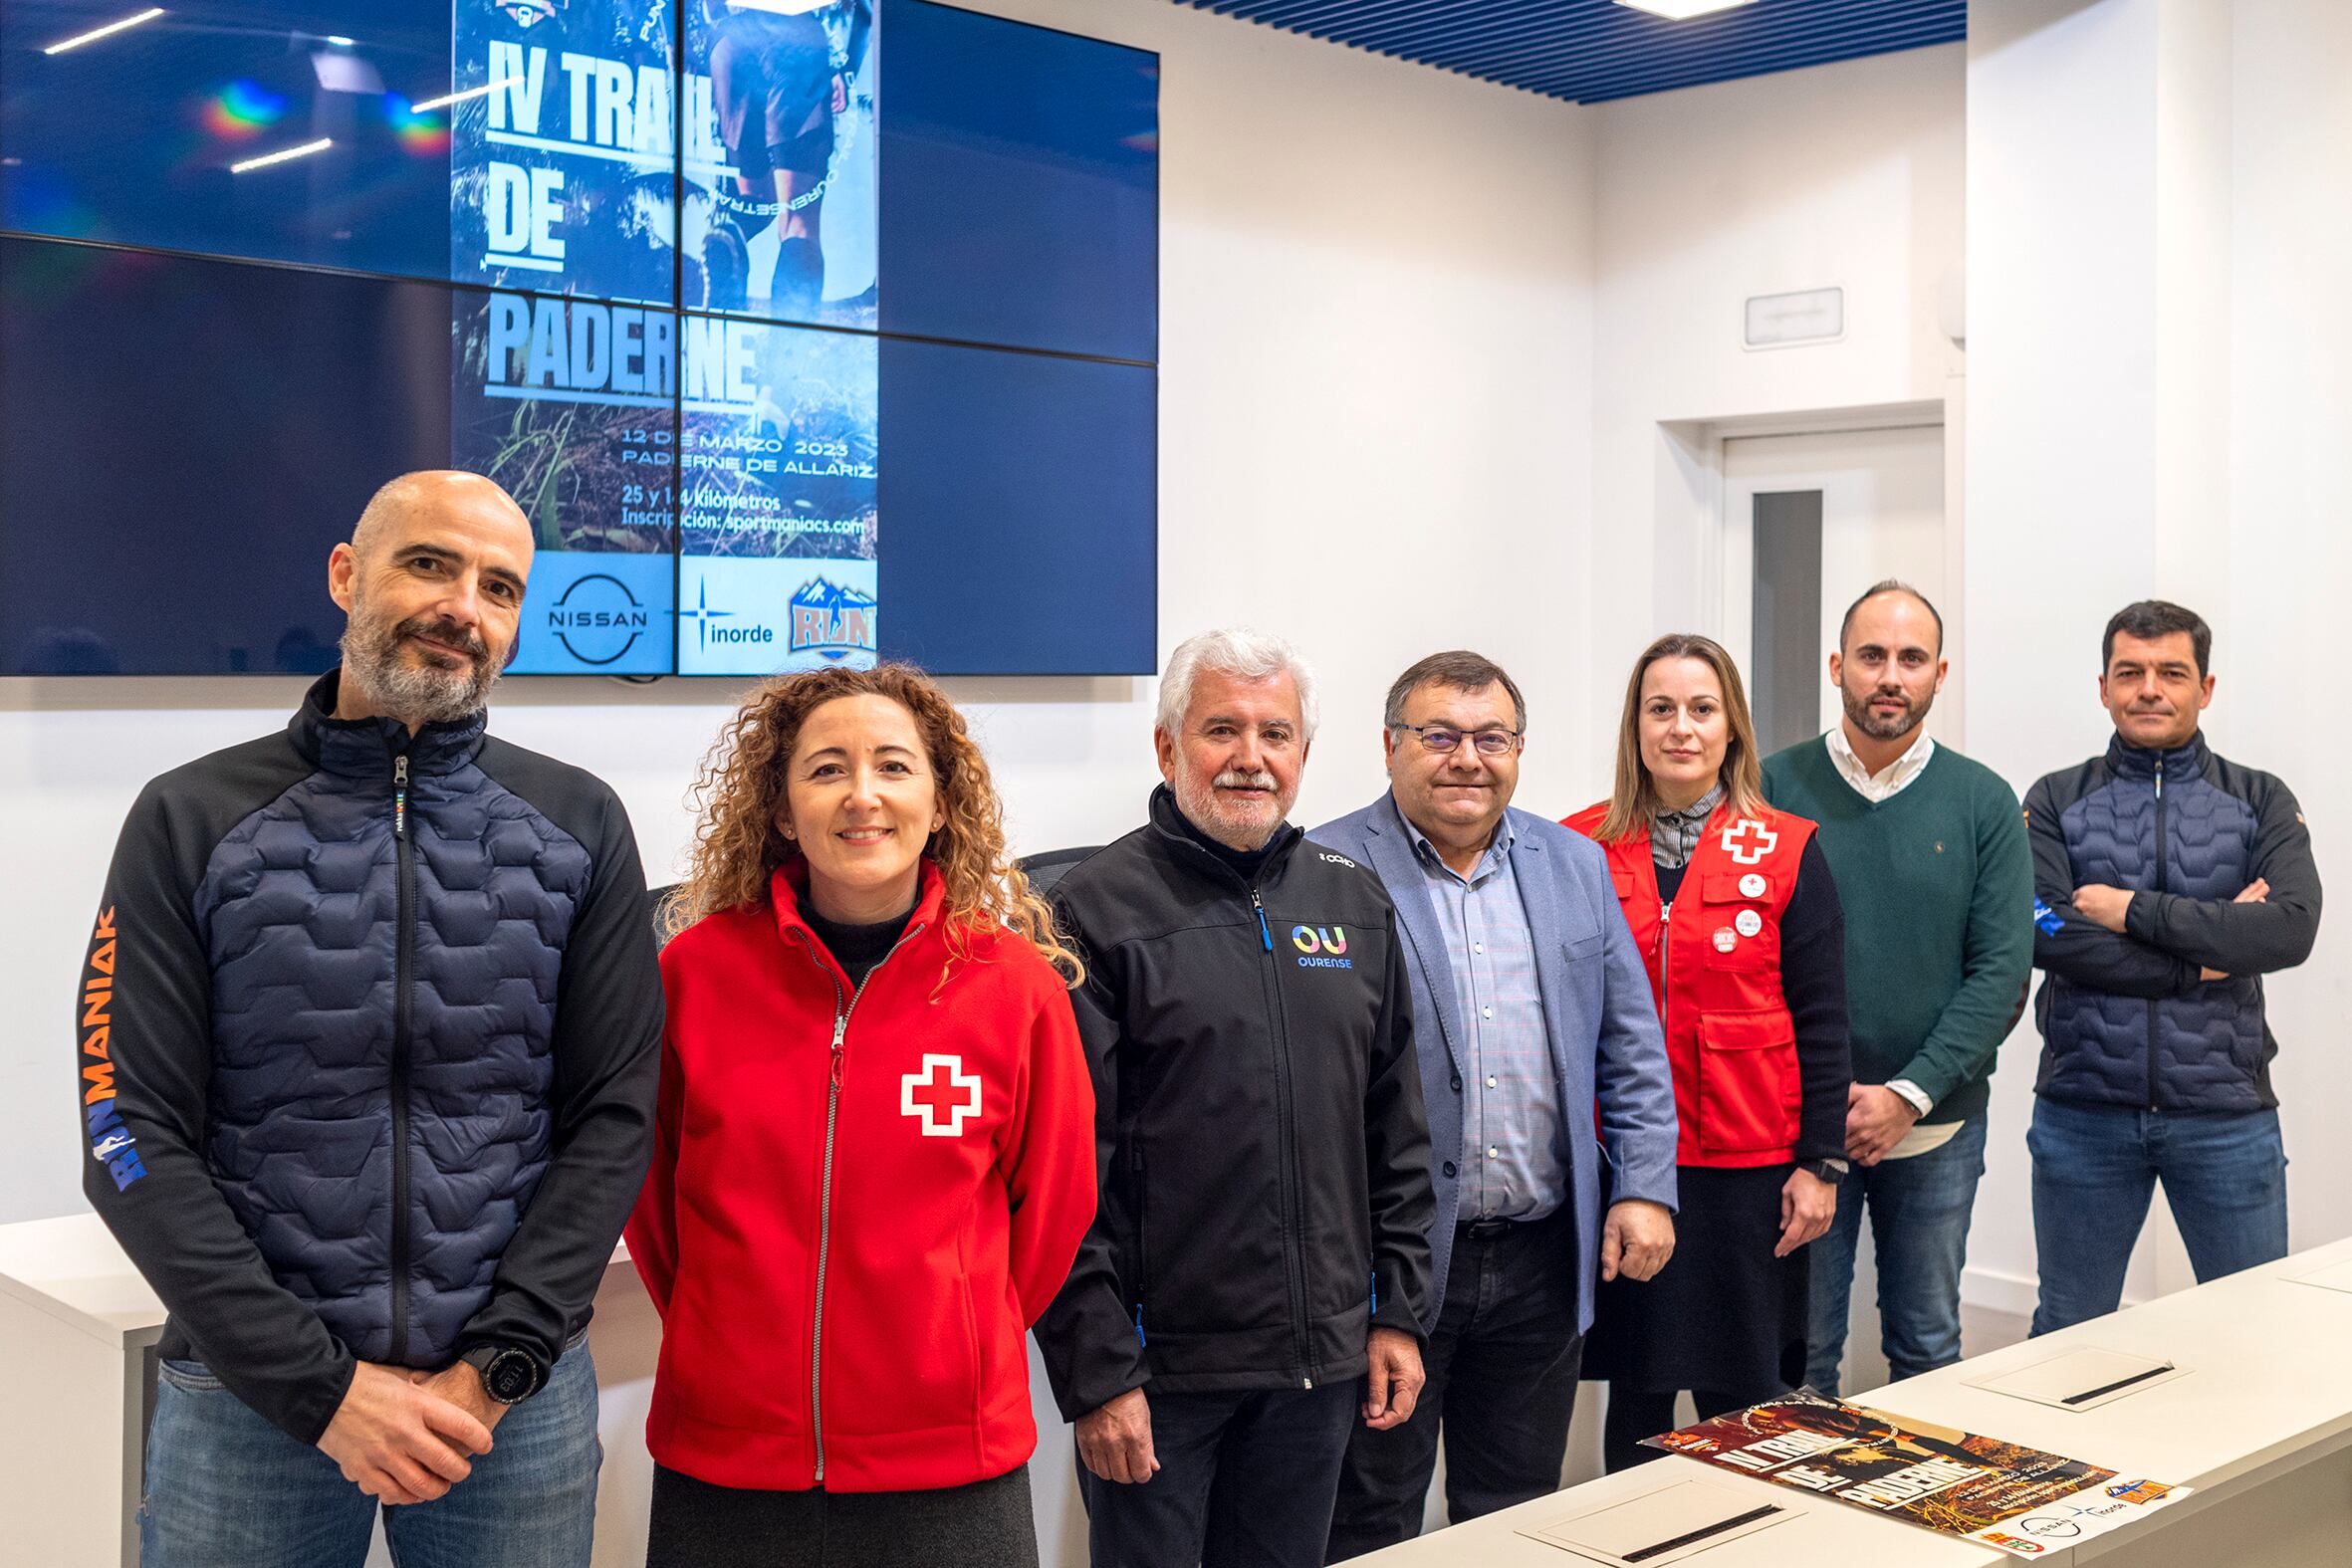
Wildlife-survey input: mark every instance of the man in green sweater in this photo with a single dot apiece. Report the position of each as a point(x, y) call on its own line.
point(1931, 866)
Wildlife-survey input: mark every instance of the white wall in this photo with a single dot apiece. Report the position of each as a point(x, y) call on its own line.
point(2062, 400)
point(2159, 227)
point(2290, 557)
point(1847, 174)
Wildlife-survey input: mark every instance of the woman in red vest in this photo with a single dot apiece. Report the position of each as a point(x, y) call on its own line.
point(874, 1151)
point(1732, 906)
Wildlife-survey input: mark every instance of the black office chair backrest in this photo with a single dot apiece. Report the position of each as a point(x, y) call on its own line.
point(1050, 866)
point(659, 899)
point(1043, 870)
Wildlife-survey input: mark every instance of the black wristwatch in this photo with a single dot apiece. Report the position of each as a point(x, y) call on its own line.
point(508, 1376)
point(1830, 1171)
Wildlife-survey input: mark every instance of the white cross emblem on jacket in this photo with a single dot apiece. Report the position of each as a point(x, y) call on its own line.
point(1750, 841)
point(942, 1095)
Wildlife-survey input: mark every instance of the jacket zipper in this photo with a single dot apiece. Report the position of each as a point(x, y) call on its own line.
point(1142, 1258)
point(404, 964)
point(825, 1203)
point(2153, 1011)
point(1292, 1244)
point(1665, 954)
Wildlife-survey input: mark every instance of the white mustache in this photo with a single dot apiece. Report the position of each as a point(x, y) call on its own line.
point(1236, 779)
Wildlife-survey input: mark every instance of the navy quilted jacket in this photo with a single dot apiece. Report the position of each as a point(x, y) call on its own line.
point(368, 1039)
point(2128, 1018)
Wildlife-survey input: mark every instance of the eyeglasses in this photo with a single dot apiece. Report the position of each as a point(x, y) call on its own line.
point(1443, 739)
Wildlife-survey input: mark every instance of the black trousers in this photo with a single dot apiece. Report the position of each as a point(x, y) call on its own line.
point(1244, 1481)
point(1502, 1365)
point(1635, 1413)
point(987, 1524)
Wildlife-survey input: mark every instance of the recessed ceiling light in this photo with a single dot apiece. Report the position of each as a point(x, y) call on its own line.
point(107, 31)
point(268, 159)
point(447, 99)
point(1683, 10)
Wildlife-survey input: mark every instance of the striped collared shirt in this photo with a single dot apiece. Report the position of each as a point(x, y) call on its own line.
point(1514, 1143)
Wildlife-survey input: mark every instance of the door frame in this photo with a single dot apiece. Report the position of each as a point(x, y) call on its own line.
point(1690, 541)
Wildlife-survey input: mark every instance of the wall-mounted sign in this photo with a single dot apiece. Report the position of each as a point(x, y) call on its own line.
point(1779, 321)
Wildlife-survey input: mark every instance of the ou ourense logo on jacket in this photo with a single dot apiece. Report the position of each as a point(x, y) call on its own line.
point(1321, 946)
point(941, 1095)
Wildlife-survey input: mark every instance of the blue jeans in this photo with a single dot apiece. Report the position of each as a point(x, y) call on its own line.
point(227, 1490)
point(2094, 1166)
point(1919, 1228)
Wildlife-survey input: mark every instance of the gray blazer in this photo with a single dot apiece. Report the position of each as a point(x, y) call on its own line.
point(1607, 1048)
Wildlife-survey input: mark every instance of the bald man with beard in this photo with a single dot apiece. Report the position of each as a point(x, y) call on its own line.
point(366, 1049)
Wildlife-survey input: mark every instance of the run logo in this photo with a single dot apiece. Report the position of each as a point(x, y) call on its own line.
point(111, 1143)
point(832, 622)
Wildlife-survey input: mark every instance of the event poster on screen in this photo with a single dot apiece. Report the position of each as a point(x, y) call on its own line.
point(702, 487)
point(564, 164)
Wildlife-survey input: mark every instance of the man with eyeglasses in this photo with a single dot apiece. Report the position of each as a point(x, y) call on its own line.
point(1530, 1008)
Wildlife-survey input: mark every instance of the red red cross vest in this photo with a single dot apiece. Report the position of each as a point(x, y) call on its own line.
point(1714, 958)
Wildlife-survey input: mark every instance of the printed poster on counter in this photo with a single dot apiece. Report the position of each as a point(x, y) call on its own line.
point(2003, 1495)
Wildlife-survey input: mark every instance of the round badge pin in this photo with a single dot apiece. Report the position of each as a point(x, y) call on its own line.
point(1748, 921)
point(1725, 939)
point(1751, 885)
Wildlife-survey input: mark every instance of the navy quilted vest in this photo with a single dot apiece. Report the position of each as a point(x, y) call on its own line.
point(2157, 821)
point(385, 966)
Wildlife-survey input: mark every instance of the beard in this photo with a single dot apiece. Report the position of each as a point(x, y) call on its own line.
point(1240, 829)
point(410, 691)
point(1859, 714)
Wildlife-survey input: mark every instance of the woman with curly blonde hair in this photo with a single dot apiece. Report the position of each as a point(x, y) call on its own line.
point(874, 1156)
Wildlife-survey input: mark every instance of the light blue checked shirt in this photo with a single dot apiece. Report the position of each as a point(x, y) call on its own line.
point(1514, 1144)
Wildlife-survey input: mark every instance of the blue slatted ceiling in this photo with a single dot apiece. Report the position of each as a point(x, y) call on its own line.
point(1590, 51)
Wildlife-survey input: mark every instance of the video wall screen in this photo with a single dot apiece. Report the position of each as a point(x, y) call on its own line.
point(803, 331)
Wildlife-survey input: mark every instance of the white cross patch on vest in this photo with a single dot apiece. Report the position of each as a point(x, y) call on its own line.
point(942, 1095)
point(1750, 841)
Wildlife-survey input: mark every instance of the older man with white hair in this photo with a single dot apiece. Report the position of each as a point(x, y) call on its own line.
point(1255, 1278)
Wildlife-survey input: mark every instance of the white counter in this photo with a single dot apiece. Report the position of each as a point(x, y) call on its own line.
point(2261, 1427)
point(77, 1334)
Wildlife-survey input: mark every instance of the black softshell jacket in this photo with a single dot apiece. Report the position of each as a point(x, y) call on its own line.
point(1265, 1180)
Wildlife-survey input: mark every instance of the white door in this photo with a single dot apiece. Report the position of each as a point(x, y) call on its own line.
point(1809, 523)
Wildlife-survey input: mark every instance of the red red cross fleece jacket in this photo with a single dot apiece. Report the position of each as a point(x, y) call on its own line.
point(859, 1200)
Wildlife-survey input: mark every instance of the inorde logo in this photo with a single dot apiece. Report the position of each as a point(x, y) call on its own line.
point(111, 1143)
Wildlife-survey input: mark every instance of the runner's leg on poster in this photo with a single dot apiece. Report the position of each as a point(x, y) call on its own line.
point(799, 259)
point(744, 206)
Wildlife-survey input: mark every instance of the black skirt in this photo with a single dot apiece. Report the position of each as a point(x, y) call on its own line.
point(1724, 1313)
point(987, 1524)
